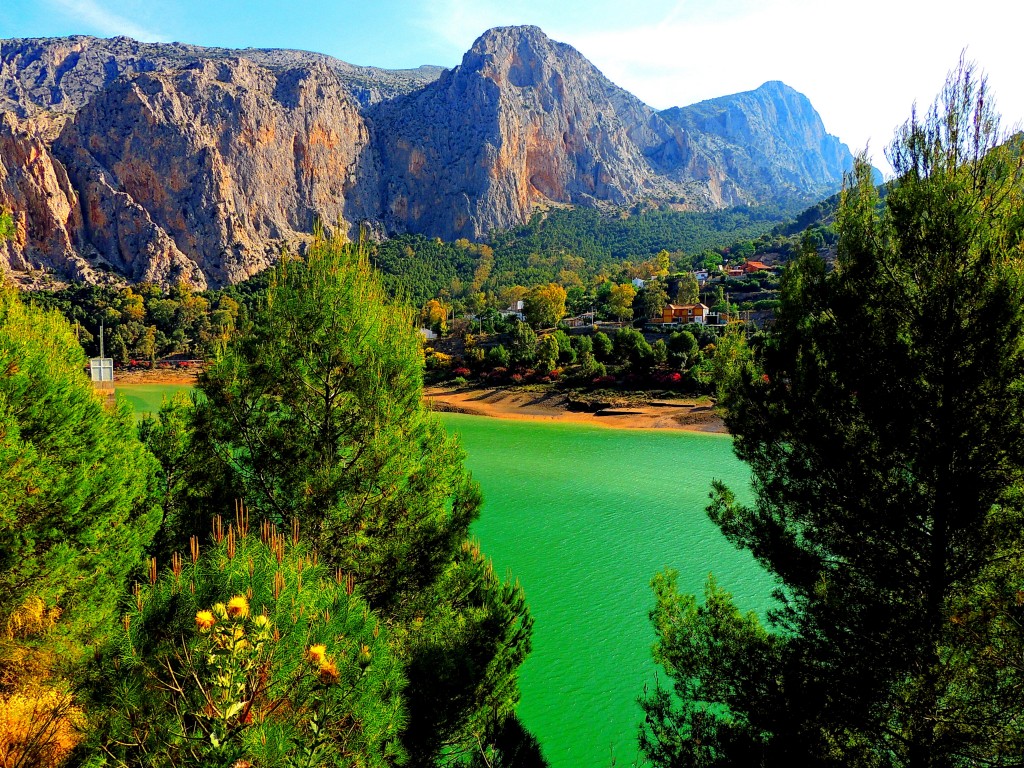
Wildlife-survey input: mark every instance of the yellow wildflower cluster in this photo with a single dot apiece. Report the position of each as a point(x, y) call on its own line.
point(205, 620)
point(238, 607)
point(327, 669)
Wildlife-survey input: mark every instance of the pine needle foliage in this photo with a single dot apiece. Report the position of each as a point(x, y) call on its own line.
point(883, 421)
point(316, 411)
point(251, 652)
point(77, 495)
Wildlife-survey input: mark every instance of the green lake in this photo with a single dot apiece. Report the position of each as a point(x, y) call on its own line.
point(146, 398)
point(583, 517)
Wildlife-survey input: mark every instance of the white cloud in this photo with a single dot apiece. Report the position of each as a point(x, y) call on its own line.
point(862, 65)
point(104, 21)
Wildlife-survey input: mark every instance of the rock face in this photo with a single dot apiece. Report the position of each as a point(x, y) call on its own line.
point(36, 188)
point(523, 120)
point(62, 74)
point(167, 162)
point(204, 173)
point(769, 141)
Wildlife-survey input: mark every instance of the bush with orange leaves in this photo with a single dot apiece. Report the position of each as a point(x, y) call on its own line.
point(38, 727)
point(250, 652)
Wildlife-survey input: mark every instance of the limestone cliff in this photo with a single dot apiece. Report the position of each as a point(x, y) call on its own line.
point(35, 187)
point(769, 142)
point(167, 162)
point(62, 74)
point(205, 173)
point(524, 120)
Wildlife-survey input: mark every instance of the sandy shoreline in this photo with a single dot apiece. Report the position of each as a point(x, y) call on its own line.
point(681, 413)
point(543, 406)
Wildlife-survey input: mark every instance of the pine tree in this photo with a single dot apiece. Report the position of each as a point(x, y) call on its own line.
point(884, 426)
point(77, 488)
point(316, 412)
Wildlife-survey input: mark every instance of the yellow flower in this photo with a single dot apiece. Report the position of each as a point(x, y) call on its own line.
point(238, 607)
point(317, 654)
point(205, 620)
point(328, 672)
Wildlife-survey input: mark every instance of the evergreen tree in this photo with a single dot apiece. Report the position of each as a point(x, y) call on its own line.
point(316, 412)
point(884, 426)
point(603, 346)
point(523, 345)
point(547, 353)
point(77, 488)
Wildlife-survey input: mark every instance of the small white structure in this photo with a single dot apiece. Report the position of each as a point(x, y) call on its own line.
point(428, 334)
point(516, 311)
point(638, 283)
point(101, 369)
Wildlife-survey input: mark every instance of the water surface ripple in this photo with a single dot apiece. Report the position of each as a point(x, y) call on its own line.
point(584, 517)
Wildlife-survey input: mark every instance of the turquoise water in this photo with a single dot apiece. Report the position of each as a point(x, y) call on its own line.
point(584, 517)
point(146, 398)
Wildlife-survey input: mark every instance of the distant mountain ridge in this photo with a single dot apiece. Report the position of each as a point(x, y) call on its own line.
point(62, 74)
point(167, 162)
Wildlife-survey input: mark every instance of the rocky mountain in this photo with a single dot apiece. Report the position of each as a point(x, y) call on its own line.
point(62, 74)
point(525, 120)
point(769, 141)
point(167, 162)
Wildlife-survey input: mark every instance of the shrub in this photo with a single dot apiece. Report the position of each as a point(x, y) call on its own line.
point(38, 727)
point(249, 653)
point(498, 357)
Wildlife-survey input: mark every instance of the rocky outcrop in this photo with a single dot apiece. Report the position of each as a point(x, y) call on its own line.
point(205, 173)
point(168, 162)
point(35, 188)
point(770, 142)
point(524, 120)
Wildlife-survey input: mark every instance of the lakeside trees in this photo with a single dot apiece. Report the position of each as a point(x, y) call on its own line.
point(78, 502)
point(313, 412)
point(884, 426)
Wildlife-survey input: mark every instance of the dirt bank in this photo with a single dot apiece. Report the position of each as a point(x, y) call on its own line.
point(683, 413)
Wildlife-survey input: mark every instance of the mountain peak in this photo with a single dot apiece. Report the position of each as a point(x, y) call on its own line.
point(496, 36)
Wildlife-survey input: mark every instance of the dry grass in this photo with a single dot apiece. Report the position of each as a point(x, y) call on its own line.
point(38, 729)
point(39, 722)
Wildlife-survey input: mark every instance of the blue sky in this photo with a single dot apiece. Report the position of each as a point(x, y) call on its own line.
point(861, 62)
